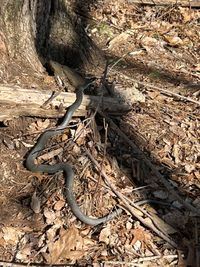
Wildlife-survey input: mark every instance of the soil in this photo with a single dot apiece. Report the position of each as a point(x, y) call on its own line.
point(149, 49)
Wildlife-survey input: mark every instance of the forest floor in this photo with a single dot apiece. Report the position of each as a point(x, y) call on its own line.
point(150, 153)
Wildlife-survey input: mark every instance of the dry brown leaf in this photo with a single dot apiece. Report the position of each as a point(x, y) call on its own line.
point(64, 137)
point(190, 168)
point(59, 205)
point(118, 40)
point(80, 134)
point(2, 242)
point(49, 215)
point(24, 253)
point(43, 124)
point(88, 242)
point(173, 40)
point(197, 175)
point(161, 194)
point(175, 153)
point(65, 247)
point(3, 47)
point(48, 79)
point(39, 125)
point(35, 203)
point(150, 43)
point(105, 235)
point(153, 94)
point(188, 14)
point(50, 155)
point(12, 235)
point(140, 235)
point(51, 233)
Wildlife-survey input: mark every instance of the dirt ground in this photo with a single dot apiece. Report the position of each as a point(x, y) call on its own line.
point(150, 153)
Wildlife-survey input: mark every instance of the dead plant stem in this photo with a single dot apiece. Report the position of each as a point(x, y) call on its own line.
point(128, 206)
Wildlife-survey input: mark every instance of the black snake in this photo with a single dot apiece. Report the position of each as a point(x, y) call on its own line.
point(65, 167)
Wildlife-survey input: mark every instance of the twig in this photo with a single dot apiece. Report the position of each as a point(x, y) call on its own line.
point(186, 3)
point(128, 206)
point(150, 165)
point(142, 259)
point(164, 91)
point(117, 61)
point(137, 204)
point(18, 264)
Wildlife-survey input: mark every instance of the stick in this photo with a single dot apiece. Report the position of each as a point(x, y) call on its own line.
point(164, 91)
point(142, 259)
point(185, 3)
point(128, 206)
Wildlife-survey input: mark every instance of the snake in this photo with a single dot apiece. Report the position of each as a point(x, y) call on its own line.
point(66, 168)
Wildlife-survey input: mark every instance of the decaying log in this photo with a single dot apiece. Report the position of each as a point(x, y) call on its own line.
point(183, 3)
point(17, 101)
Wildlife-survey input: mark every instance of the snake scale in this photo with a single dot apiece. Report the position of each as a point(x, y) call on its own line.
point(65, 167)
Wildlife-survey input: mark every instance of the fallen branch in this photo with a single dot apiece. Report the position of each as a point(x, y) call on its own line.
point(17, 101)
point(163, 91)
point(141, 259)
point(131, 209)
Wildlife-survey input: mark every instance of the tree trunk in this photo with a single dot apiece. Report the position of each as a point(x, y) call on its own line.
point(35, 31)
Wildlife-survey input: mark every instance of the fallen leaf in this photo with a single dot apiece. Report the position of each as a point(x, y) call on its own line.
point(173, 40)
point(65, 247)
point(190, 167)
point(160, 194)
point(105, 234)
point(35, 203)
point(81, 133)
point(175, 153)
point(150, 43)
point(118, 40)
point(59, 205)
point(139, 234)
point(11, 235)
point(24, 253)
point(39, 125)
point(49, 215)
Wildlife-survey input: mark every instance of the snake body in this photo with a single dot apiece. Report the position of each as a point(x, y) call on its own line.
point(64, 167)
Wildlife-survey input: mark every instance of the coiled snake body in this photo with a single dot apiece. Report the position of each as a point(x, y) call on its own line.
point(65, 167)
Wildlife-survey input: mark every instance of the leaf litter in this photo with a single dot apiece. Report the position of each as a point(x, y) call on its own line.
point(157, 45)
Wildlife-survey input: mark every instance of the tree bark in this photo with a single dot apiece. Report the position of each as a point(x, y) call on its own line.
point(36, 31)
point(17, 22)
